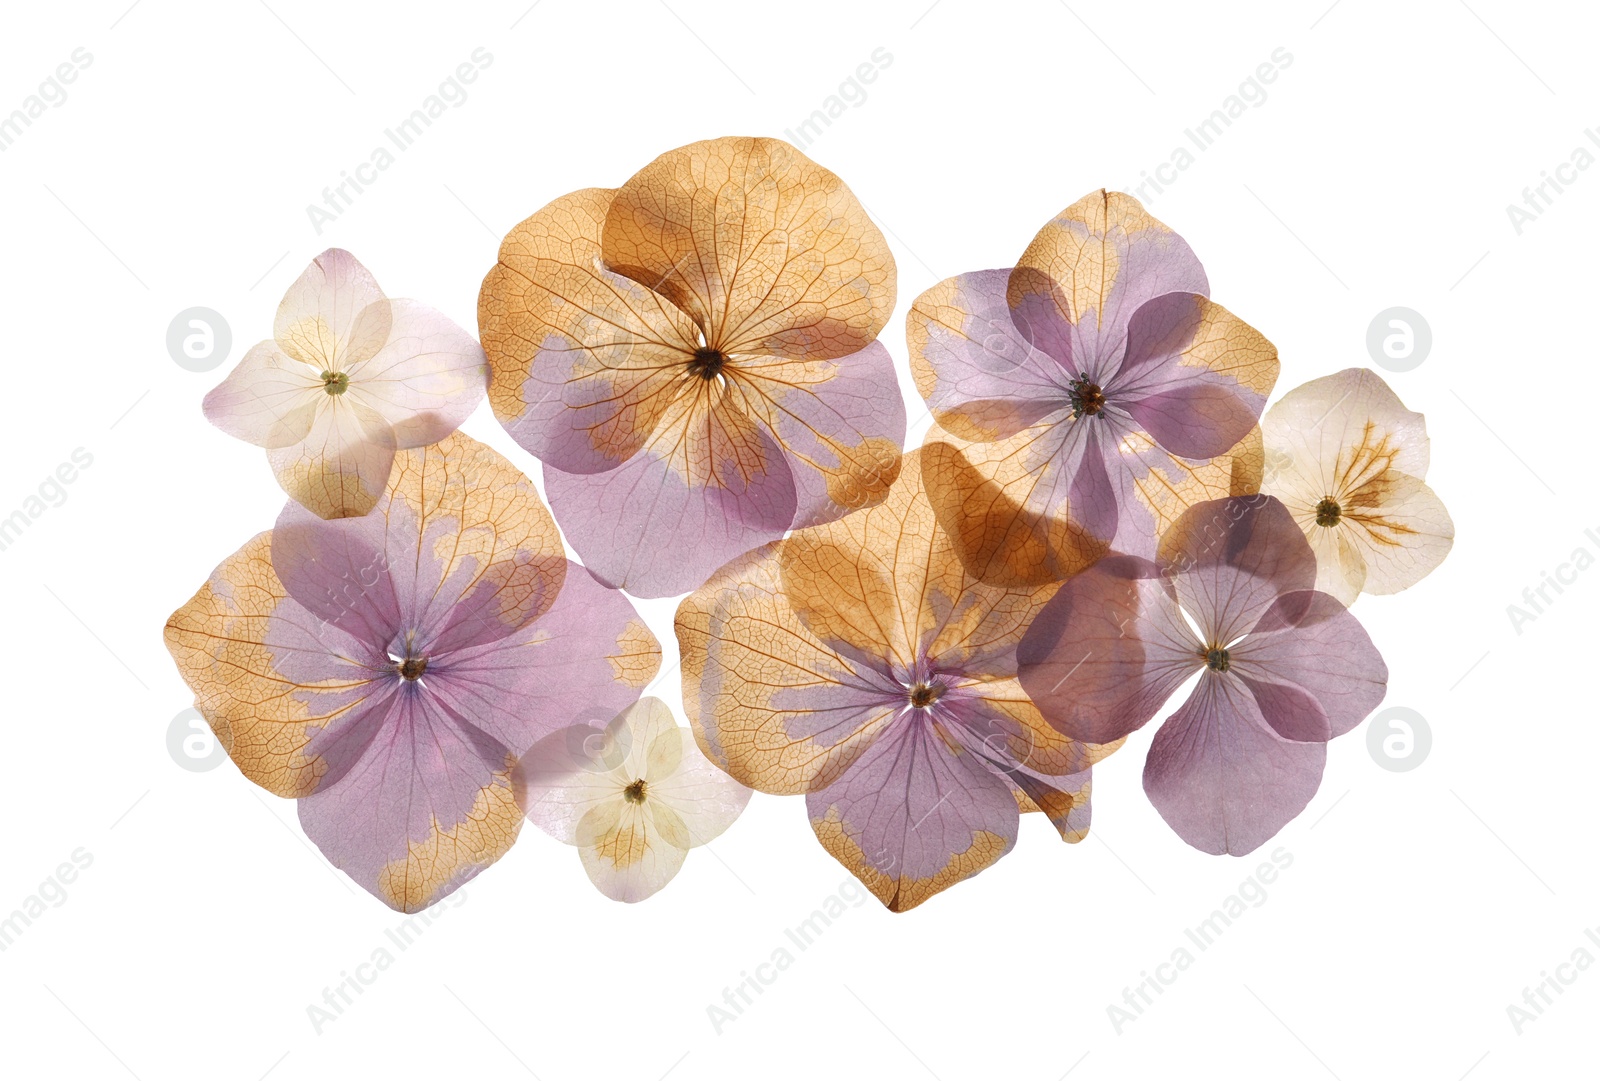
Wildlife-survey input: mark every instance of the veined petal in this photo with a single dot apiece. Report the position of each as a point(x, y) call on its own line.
point(428, 806)
point(1107, 651)
point(1195, 375)
point(841, 423)
point(428, 377)
point(709, 484)
point(770, 703)
point(584, 360)
point(269, 399)
point(1229, 560)
point(704, 798)
point(341, 466)
point(981, 377)
point(1077, 285)
point(1331, 436)
point(767, 250)
point(459, 550)
point(1310, 641)
point(1219, 775)
point(324, 319)
point(268, 676)
point(916, 814)
point(1009, 504)
point(631, 850)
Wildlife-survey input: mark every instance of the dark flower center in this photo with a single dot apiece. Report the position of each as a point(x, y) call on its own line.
point(335, 382)
point(1328, 512)
point(1086, 396)
point(923, 695)
point(412, 668)
point(1217, 659)
point(707, 362)
point(634, 793)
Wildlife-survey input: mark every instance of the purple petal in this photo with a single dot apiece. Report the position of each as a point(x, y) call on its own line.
point(1230, 560)
point(1312, 644)
point(658, 526)
point(981, 377)
point(1107, 651)
point(1222, 779)
point(841, 423)
point(269, 399)
point(913, 815)
point(1194, 377)
point(427, 807)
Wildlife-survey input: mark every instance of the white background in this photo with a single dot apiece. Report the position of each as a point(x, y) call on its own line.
point(1419, 905)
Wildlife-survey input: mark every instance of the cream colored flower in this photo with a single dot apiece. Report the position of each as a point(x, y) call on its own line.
point(1348, 460)
point(633, 797)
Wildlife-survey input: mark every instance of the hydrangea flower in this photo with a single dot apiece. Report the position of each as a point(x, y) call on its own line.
point(1283, 668)
point(1086, 397)
point(388, 671)
point(859, 663)
point(348, 377)
point(633, 796)
point(1348, 460)
point(693, 356)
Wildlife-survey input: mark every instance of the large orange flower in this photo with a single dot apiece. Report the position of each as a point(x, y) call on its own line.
point(693, 356)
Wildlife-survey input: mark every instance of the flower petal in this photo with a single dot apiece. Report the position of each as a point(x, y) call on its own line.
point(427, 807)
point(841, 424)
point(1107, 651)
point(704, 798)
point(583, 660)
point(770, 704)
point(1332, 435)
point(339, 469)
point(1077, 285)
point(1222, 779)
point(459, 551)
point(585, 361)
point(428, 377)
point(1195, 376)
point(1230, 559)
point(1310, 642)
point(914, 815)
point(269, 399)
point(886, 587)
point(1401, 529)
point(630, 850)
point(767, 250)
point(324, 319)
point(981, 378)
point(267, 675)
point(711, 483)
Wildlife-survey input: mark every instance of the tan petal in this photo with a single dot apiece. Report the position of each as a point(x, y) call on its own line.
point(628, 852)
point(767, 250)
point(341, 466)
point(331, 317)
point(1403, 537)
point(583, 360)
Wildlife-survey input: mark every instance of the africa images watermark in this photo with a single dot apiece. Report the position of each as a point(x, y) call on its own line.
point(850, 894)
point(1542, 196)
point(52, 492)
point(1251, 94)
point(1537, 598)
point(852, 93)
point(1551, 986)
point(52, 893)
point(451, 94)
point(1252, 893)
point(351, 985)
point(51, 94)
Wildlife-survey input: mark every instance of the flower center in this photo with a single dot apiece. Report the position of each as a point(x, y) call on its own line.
point(1086, 396)
point(922, 695)
point(411, 668)
point(634, 793)
point(1328, 512)
point(707, 362)
point(1217, 659)
point(335, 382)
